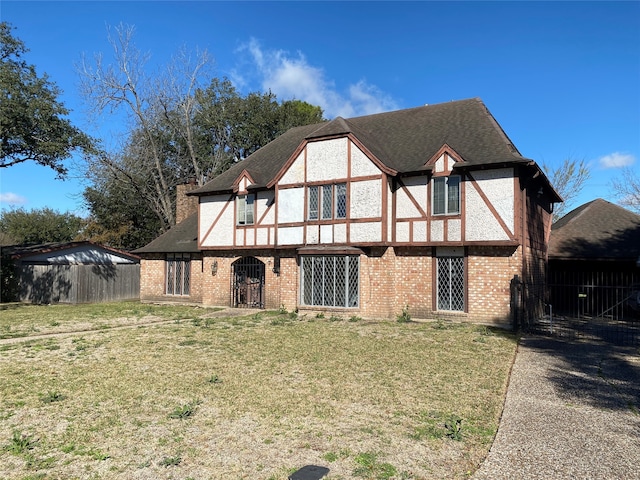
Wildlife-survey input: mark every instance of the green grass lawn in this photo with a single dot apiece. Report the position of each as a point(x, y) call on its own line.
point(255, 397)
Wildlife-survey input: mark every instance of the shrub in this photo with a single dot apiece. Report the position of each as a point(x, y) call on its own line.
point(405, 316)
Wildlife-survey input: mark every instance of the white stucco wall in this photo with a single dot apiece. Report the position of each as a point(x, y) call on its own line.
point(498, 186)
point(290, 205)
point(327, 160)
point(313, 234)
point(250, 237)
point(437, 230)
point(264, 199)
point(340, 233)
point(361, 166)
point(366, 232)
point(419, 231)
point(326, 234)
point(262, 236)
point(417, 186)
point(481, 224)
point(454, 230)
point(290, 235)
point(210, 208)
point(366, 199)
point(295, 173)
point(402, 232)
point(417, 189)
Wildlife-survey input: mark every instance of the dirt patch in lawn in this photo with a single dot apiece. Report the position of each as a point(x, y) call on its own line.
point(255, 397)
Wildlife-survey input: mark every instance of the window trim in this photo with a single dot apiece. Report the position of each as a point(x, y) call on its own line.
point(350, 280)
point(445, 180)
point(241, 205)
point(449, 257)
point(171, 280)
point(327, 199)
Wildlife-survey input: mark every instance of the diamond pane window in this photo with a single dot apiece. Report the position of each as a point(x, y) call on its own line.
point(341, 200)
point(451, 283)
point(313, 202)
point(327, 202)
point(330, 280)
point(178, 271)
point(327, 209)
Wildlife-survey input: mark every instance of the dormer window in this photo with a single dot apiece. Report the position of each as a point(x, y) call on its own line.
point(446, 195)
point(245, 209)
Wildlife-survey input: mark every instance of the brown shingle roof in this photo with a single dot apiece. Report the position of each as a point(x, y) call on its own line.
point(403, 140)
point(182, 237)
point(596, 230)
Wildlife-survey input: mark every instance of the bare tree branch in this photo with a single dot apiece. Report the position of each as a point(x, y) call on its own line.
point(627, 189)
point(568, 179)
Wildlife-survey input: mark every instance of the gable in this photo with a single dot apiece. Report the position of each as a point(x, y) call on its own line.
point(401, 141)
point(243, 182)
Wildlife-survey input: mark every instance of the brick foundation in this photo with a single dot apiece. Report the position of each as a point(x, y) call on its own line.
point(390, 279)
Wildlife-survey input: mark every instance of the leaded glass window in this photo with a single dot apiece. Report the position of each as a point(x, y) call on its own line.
point(178, 274)
point(330, 280)
point(327, 202)
point(450, 283)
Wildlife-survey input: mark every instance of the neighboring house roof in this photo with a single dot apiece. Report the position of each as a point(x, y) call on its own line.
point(403, 140)
point(182, 237)
point(69, 253)
point(597, 230)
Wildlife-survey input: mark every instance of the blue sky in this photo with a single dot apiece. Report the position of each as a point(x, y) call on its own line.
point(563, 79)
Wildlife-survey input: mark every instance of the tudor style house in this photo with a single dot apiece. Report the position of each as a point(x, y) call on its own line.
point(431, 208)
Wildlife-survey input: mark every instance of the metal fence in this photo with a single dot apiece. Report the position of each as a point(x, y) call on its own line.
point(79, 283)
point(603, 305)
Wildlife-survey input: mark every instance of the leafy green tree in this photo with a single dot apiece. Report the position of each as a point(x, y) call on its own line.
point(118, 218)
point(20, 226)
point(32, 123)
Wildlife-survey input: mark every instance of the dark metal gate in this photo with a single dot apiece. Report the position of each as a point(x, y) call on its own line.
point(247, 283)
point(595, 305)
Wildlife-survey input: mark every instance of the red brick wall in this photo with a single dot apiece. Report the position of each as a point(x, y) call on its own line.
point(390, 279)
point(185, 206)
point(152, 280)
point(280, 288)
point(489, 272)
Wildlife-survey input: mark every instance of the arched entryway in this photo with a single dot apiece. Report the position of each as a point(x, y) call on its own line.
point(247, 283)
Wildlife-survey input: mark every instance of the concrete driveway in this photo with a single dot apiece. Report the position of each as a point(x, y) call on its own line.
point(572, 411)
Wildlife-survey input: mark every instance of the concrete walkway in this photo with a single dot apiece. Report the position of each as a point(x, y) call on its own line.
point(572, 411)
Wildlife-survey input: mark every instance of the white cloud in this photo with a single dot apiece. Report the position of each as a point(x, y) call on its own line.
point(292, 77)
point(616, 160)
point(12, 198)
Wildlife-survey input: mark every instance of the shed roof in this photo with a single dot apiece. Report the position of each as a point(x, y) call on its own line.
point(402, 140)
point(597, 230)
point(65, 252)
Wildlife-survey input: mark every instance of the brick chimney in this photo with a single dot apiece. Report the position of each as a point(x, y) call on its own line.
point(185, 205)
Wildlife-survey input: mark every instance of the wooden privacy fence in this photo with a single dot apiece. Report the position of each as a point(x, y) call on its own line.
point(79, 283)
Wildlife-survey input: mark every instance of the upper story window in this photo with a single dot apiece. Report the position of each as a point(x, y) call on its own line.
point(245, 209)
point(446, 195)
point(327, 202)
